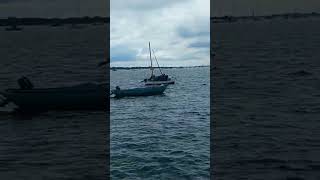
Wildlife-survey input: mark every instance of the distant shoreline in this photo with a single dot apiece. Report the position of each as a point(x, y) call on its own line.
point(230, 19)
point(14, 21)
point(171, 67)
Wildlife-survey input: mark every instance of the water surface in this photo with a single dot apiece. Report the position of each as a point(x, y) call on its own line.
point(164, 136)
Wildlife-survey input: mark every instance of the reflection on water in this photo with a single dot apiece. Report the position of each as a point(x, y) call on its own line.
point(54, 144)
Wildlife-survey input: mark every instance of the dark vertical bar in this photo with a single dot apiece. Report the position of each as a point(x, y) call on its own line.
point(265, 91)
point(211, 94)
point(107, 58)
point(54, 74)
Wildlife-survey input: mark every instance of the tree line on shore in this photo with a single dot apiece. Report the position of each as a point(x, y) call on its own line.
point(14, 21)
point(226, 19)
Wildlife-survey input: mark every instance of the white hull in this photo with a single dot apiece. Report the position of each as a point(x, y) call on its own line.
point(159, 82)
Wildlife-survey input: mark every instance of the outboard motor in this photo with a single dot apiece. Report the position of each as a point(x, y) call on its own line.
point(25, 83)
point(3, 101)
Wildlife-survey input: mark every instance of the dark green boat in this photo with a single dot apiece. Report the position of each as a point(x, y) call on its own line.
point(140, 91)
point(79, 97)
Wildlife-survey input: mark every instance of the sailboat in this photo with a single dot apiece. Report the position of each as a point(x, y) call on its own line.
point(157, 80)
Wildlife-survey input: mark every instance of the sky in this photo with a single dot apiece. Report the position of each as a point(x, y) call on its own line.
point(179, 32)
point(262, 7)
point(53, 8)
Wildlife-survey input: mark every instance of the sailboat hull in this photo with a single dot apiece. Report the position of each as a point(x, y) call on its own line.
point(148, 83)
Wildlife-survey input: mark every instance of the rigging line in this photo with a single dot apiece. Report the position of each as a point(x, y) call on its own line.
point(156, 61)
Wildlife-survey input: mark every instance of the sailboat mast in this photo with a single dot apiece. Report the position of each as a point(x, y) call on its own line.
point(150, 60)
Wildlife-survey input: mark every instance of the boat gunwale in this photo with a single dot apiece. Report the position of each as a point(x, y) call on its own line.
point(152, 90)
point(80, 88)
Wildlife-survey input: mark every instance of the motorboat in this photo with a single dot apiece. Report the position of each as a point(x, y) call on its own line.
point(139, 91)
point(86, 96)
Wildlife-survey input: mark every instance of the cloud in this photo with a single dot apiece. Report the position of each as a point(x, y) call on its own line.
point(122, 53)
point(142, 5)
point(186, 32)
point(171, 26)
point(199, 45)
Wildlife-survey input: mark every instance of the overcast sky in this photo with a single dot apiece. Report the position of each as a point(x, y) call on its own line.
point(179, 31)
point(262, 7)
point(53, 8)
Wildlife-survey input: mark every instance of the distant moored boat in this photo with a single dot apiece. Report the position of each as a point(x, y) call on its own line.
point(13, 28)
